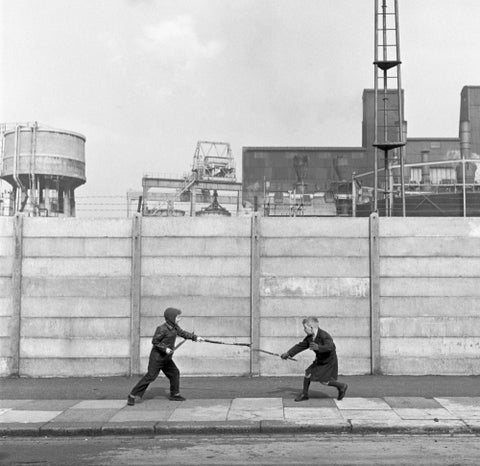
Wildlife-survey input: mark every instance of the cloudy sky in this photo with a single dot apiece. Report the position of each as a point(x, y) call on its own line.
point(144, 80)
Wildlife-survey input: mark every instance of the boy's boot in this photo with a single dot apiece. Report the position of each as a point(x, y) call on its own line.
point(304, 395)
point(341, 387)
point(176, 397)
point(130, 400)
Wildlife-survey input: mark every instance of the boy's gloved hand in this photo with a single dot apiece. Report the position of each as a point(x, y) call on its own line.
point(284, 356)
point(314, 346)
point(169, 351)
point(200, 338)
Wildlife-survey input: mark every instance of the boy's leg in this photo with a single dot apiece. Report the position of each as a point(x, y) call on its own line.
point(306, 384)
point(341, 387)
point(154, 366)
point(170, 369)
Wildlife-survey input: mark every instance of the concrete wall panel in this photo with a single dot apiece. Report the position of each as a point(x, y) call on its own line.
point(314, 247)
point(441, 347)
point(428, 246)
point(194, 226)
point(74, 367)
point(206, 306)
point(431, 286)
point(427, 327)
point(74, 348)
point(196, 246)
point(5, 286)
point(196, 266)
point(314, 227)
point(73, 227)
point(205, 326)
point(430, 267)
point(417, 306)
point(431, 366)
point(76, 287)
point(70, 307)
point(344, 326)
point(315, 266)
point(301, 307)
point(342, 287)
point(6, 227)
point(80, 327)
point(196, 286)
point(76, 267)
point(77, 247)
point(430, 226)
point(5, 307)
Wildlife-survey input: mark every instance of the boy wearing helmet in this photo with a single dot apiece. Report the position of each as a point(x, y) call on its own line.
point(325, 367)
point(163, 342)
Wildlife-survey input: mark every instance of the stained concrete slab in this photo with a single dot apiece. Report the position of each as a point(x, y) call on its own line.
point(100, 404)
point(28, 417)
point(129, 415)
point(412, 402)
point(85, 415)
point(155, 404)
point(255, 409)
point(374, 414)
point(432, 413)
point(362, 403)
point(201, 413)
point(312, 415)
point(49, 405)
point(311, 402)
point(71, 428)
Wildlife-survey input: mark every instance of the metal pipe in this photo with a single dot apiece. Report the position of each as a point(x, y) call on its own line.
point(15, 167)
point(375, 115)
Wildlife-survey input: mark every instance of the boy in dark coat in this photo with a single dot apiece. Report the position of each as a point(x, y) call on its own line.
point(161, 357)
point(325, 367)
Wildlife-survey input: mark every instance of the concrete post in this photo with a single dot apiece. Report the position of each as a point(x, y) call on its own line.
point(16, 294)
point(374, 294)
point(135, 294)
point(255, 296)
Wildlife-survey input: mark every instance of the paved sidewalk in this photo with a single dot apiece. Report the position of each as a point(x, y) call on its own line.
point(261, 405)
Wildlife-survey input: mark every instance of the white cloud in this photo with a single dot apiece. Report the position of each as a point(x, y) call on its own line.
point(176, 43)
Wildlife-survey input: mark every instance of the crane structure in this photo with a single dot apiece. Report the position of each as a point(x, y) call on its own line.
point(390, 128)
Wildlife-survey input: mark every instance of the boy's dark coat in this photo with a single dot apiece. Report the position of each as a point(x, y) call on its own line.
point(325, 366)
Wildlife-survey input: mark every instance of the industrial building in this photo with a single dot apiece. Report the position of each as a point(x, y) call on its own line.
point(272, 175)
point(44, 166)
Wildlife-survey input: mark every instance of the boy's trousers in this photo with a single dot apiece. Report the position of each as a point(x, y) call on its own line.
point(156, 363)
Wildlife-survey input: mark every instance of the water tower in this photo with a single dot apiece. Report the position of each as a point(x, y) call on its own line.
point(44, 166)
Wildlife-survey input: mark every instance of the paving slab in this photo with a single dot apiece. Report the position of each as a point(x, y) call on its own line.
point(473, 424)
point(27, 417)
point(256, 403)
point(85, 415)
point(313, 402)
point(201, 413)
point(138, 415)
point(256, 409)
point(432, 413)
point(312, 415)
point(362, 403)
point(155, 404)
point(100, 404)
point(374, 414)
point(49, 405)
point(411, 402)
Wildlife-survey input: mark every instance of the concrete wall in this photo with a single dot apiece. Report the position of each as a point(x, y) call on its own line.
point(83, 297)
point(430, 296)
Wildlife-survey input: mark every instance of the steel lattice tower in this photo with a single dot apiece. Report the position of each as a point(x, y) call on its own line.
point(388, 100)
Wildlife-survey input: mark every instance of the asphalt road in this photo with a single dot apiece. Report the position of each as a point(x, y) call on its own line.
point(243, 450)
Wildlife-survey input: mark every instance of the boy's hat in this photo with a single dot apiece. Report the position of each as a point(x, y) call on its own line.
point(171, 313)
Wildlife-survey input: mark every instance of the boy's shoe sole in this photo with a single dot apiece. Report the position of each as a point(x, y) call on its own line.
point(302, 397)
